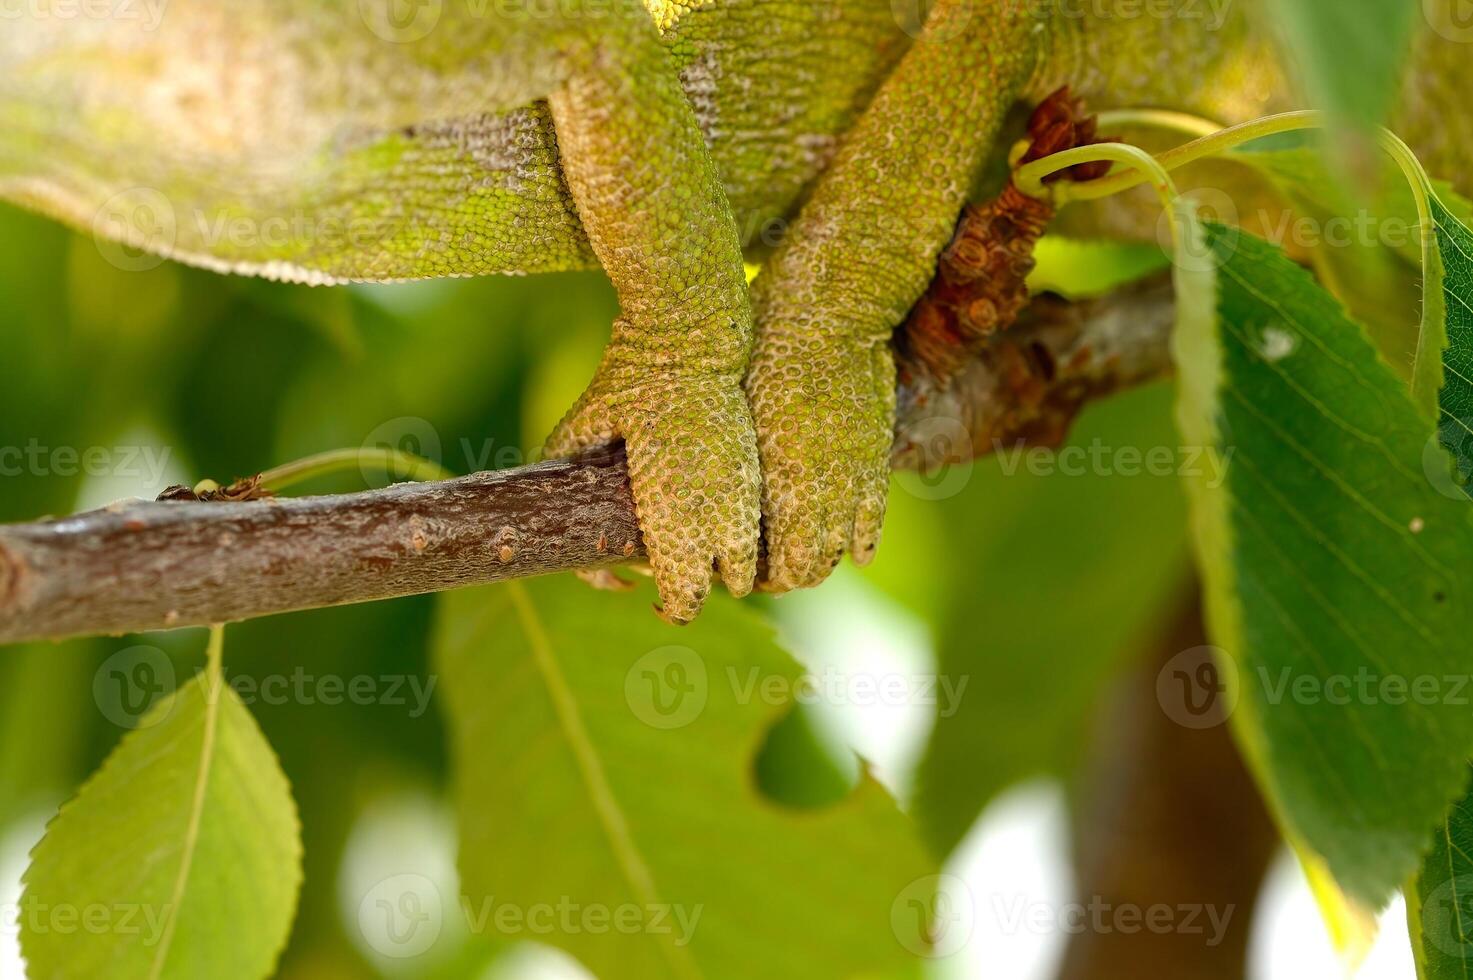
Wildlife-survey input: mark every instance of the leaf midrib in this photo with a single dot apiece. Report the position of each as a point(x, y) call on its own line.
point(610, 814)
point(197, 802)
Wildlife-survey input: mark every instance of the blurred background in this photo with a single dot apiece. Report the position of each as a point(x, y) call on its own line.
point(1046, 590)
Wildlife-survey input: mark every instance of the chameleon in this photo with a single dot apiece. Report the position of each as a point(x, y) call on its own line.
point(667, 142)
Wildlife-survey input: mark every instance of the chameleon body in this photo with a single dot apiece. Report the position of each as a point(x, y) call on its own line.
point(656, 141)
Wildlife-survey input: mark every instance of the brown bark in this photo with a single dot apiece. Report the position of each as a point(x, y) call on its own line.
point(149, 565)
point(1170, 818)
point(980, 285)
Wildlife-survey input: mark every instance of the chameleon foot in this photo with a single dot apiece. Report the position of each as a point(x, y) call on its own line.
point(825, 412)
point(693, 469)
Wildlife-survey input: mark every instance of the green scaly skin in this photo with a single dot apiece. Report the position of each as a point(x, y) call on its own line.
point(670, 383)
point(360, 158)
point(864, 247)
point(656, 144)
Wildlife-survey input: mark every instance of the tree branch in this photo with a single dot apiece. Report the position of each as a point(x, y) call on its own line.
point(137, 565)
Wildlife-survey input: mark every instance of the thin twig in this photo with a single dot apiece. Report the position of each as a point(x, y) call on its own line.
point(139, 565)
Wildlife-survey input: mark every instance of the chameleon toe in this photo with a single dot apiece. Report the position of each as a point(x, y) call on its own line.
point(869, 520)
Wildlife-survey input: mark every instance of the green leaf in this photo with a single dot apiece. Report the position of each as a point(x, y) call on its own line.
point(605, 762)
point(1349, 57)
point(1363, 251)
point(179, 858)
point(1440, 900)
point(1369, 253)
point(1331, 562)
point(1448, 328)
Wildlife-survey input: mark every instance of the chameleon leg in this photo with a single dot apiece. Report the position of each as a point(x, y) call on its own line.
point(859, 255)
point(670, 381)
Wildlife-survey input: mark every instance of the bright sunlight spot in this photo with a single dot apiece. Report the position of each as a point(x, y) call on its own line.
point(1290, 941)
point(534, 961)
point(1014, 868)
point(398, 891)
point(873, 661)
point(139, 463)
point(15, 848)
